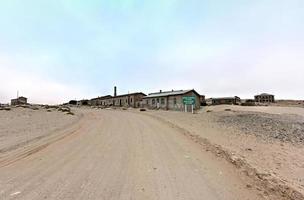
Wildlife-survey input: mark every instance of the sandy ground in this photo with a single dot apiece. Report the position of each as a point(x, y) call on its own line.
point(112, 154)
point(268, 139)
point(20, 126)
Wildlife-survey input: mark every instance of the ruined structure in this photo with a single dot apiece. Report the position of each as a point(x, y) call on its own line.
point(171, 100)
point(19, 101)
point(264, 98)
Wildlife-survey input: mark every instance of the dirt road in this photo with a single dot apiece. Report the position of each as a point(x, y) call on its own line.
point(119, 155)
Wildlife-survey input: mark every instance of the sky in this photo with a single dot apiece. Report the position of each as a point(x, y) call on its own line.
point(54, 51)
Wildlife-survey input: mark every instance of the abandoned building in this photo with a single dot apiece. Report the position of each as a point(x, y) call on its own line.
point(124, 100)
point(171, 100)
point(128, 100)
point(99, 100)
point(73, 102)
point(226, 100)
point(203, 100)
point(19, 101)
point(83, 102)
point(264, 98)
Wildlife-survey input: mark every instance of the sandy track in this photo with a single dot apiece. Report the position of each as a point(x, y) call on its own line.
point(122, 155)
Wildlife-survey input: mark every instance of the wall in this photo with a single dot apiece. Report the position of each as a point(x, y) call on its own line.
point(171, 102)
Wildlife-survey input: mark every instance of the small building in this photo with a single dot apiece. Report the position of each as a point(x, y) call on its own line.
point(226, 100)
point(203, 100)
point(264, 98)
point(19, 101)
point(171, 100)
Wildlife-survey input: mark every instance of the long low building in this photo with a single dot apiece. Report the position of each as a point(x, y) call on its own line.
point(226, 100)
point(125, 100)
point(171, 100)
point(99, 100)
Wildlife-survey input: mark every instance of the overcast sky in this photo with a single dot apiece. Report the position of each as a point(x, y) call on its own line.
point(53, 51)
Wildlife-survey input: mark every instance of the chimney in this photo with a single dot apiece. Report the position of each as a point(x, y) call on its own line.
point(160, 91)
point(115, 91)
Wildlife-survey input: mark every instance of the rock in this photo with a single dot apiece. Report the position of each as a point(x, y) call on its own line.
point(142, 109)
point(228, 109)
point(209, 111)
point(70, 113)
point(64, 109)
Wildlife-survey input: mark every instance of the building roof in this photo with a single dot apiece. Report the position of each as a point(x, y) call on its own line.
point(130, 94)
point(169, 93)
point(20, 98)
point(222, 98)
point(103, 97)
point(265, 94)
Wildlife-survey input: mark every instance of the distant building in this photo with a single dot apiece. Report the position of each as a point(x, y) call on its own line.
point(171, 100)
point(83, 102)
point(125, 100)
point(99, 100)
point(203, 100)
point(226, 100)
point(19, 101)
point(264, 98)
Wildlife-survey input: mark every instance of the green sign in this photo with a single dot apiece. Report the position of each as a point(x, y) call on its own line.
point(189, 100)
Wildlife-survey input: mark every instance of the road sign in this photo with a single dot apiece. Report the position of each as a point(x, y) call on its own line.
point(189, 100)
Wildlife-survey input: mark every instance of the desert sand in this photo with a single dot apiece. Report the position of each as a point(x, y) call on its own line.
point(265, 140)
point(127, 154)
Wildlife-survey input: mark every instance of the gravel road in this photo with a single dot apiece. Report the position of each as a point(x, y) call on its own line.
point(118, 155)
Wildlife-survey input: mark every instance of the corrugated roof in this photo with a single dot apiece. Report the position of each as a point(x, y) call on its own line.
point(167, 93)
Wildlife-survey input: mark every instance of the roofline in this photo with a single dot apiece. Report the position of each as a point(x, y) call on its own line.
point(264, 94)
point(225, 98)
point(103, 97)
point(168, 95)
point(130, 94)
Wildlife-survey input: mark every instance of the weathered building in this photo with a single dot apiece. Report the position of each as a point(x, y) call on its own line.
point(99, 100)
point(171, 100)
point(19, 101)
point(83, 102)
point(226, 100)
point(264, 98)
point(126, 100)
point(203, 100)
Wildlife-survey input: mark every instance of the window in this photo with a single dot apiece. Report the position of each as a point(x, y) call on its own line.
point(162, 101)
point(131, 100)
point(153, 101)
point(174, 101)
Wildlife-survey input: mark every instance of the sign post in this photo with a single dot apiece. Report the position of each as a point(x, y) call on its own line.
point(190, 100)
